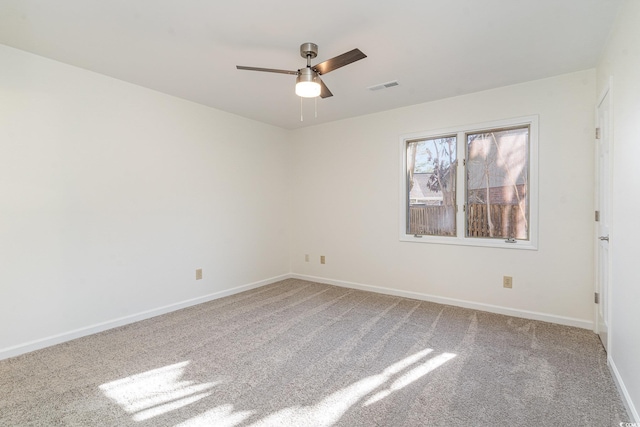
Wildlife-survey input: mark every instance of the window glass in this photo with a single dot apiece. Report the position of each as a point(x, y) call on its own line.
point(431, 186)
point(497, 184)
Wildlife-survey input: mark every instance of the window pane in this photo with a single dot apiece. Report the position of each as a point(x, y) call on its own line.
point(431, 178)
point(497, 184)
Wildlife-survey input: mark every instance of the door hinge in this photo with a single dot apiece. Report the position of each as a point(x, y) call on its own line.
point(464, 162)
point(596, 298)
point(597, 133)
point(597, 216)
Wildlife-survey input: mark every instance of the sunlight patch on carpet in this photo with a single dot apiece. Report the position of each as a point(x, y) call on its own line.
point(411, 376)
point(221, 416)
point(155, 392)
point(330, 409)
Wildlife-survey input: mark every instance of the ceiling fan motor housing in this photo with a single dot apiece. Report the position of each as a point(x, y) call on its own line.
point(306, 75)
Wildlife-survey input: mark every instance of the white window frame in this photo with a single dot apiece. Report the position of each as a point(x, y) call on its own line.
point(461, 132)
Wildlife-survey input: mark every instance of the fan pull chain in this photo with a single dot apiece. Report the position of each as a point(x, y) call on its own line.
point(315, 107)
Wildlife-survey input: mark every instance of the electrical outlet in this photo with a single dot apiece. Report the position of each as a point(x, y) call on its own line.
point(322, 260)
point(199, 274)
point(306, 258)
point(507, 282)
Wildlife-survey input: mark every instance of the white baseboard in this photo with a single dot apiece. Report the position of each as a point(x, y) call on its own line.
point(533, 315)
point(100, 327)
point(631, 409)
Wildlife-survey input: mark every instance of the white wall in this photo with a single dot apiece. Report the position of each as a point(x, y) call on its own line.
point(622, 62)
point(111, 195)
point(345, 178)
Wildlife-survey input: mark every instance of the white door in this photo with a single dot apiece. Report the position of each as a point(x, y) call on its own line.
point(603, 181)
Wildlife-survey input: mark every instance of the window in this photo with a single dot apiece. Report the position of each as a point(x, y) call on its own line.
point(432, 171)
point(474, 185)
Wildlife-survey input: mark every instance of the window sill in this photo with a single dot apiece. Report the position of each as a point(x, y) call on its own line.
point(465, 241)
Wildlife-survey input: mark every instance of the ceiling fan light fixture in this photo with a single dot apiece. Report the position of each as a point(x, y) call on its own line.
point(307, 85)
point(307, 89)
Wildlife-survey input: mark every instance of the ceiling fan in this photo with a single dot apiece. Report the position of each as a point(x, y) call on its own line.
point(308, 82)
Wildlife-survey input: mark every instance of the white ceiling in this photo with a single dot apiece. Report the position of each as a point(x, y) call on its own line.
point(434, 48)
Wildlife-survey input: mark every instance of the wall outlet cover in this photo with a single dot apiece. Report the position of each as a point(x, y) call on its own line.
point(507, 282)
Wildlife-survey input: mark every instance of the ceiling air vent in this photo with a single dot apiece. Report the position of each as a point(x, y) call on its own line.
point(384, 85)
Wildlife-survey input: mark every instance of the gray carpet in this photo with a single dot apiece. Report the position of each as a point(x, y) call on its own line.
point(297, 353)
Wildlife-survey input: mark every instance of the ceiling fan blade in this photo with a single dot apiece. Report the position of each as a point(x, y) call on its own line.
point(339, 61)
point(266, 70)
point(324, 90)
